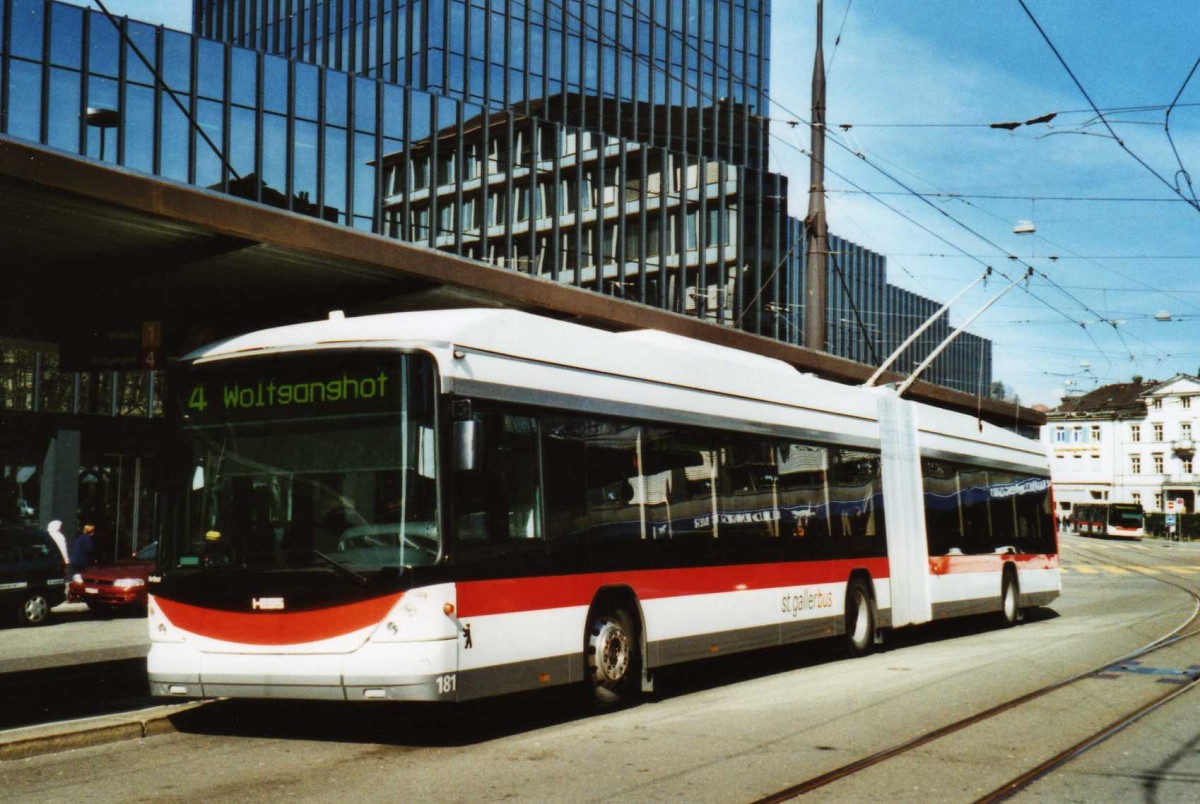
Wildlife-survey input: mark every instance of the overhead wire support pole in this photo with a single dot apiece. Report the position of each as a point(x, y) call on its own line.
point(921, 329)
point(941, 347)
point(815, 230)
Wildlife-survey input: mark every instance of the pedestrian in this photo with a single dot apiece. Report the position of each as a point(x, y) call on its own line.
point(55, 531)
point(83, 553)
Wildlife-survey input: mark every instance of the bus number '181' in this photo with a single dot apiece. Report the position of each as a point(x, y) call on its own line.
point(447, 684)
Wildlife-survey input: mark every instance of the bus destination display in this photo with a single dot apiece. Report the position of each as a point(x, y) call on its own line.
point(276, 392)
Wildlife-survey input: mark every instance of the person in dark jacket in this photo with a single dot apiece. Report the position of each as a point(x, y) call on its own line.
point(83, 552)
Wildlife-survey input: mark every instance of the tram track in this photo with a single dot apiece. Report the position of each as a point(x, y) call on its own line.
point(1184, 631)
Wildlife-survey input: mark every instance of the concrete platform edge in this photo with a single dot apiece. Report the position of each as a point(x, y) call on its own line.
point(52, 738)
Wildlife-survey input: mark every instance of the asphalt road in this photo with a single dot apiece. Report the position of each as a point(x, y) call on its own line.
point(734, 729)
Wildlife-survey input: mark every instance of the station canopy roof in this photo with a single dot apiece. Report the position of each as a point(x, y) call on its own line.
point(89, 248)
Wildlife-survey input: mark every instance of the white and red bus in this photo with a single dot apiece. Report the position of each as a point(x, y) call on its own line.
point(455, 504)
point(1115, 520)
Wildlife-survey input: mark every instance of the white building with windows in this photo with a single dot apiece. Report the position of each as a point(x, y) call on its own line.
point(1127, 442)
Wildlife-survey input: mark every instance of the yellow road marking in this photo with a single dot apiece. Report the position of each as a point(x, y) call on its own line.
point(1115, 570)
point(1184, 570)
point(1086, 570)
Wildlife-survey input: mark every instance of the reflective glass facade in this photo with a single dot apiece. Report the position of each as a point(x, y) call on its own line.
point(686, 74)
point(607, 186)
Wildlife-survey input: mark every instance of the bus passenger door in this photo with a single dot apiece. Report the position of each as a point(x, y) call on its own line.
point(904, 508)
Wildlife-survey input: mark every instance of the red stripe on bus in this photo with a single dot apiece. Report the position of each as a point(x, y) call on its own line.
point(988, 562)
point(479, 598)
point(276, 627)
point(1037, 562)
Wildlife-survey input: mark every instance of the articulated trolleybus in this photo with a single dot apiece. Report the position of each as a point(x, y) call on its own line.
point(1115, 520)
point(441, 506)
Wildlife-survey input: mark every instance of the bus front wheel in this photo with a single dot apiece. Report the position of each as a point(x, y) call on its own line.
point(612, 656)
point(860, 618)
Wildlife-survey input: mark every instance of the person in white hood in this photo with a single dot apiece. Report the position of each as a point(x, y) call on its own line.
point(55, 531)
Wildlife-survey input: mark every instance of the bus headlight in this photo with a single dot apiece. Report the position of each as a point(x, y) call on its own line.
point(419, 615)
point(161, 629)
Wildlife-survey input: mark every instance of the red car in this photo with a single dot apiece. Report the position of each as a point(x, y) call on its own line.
point(105, 587)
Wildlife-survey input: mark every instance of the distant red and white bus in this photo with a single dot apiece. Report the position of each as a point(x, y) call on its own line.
point(1115, 520)
point(456, 504)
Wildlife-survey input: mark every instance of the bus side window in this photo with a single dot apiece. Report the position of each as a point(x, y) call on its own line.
point(747, 501)
point(804, 499)
point(1035, 527)
point(856, 504)
point(498, 501)
point(564, 458)
point(1004, 511)
point(975, 498)
point(680, 474)
point(943, 515)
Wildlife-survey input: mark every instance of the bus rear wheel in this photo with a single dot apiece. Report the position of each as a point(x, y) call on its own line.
point(860, 618)
point(1010, 593)
point(612, 657)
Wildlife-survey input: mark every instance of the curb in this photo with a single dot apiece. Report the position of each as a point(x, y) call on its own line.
point(39, 740)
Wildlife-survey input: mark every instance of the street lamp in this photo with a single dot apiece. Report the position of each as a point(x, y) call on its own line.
point(103, 119)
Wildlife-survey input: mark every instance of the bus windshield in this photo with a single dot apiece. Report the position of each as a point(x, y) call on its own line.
point(1128, 516)
point(313, 460)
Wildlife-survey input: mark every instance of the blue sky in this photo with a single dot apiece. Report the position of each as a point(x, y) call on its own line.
point(1091, 318)
point(954, 62)
point(175, 14)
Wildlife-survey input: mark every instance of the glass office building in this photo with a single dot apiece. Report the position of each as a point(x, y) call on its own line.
point(615, 146)
point(686, 74)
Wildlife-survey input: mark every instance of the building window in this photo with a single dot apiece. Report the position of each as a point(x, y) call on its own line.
point(1185, 429)
point(1187, 466)
point(1060, 435)
point(1158, 501)
point(1095, 434)
point(1187, 402)
point(1136, 498)
point(1135, 464)
point(1135, 432)
point(1076, 435)
point(1158, 430)
point(1157, 404)
point(1158, 464)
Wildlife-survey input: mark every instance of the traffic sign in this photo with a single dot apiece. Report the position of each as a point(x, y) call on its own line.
point(1180, 508)
point(1170, 520)
point(1170, 506)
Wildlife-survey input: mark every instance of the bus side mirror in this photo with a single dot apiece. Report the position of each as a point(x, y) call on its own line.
point(467, 442)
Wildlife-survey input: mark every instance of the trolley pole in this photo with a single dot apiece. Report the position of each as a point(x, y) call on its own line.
point(815, 230)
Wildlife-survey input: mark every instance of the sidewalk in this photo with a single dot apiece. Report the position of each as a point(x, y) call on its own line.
point(72, 636)
point(75, 666)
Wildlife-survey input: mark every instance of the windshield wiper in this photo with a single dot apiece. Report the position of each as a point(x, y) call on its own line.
point(357, 578)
